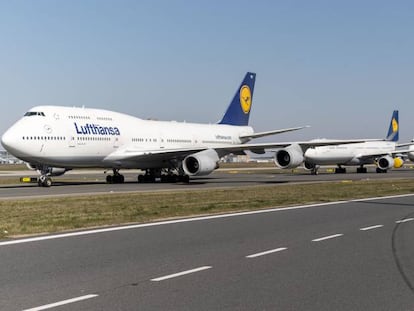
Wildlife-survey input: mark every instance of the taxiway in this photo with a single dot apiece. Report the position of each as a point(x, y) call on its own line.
point(93, 182)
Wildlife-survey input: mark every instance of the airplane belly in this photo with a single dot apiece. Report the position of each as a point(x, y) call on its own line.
point(328, 159)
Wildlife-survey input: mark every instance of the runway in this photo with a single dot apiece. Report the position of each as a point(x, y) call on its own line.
point(353, 255)
point(93, 182)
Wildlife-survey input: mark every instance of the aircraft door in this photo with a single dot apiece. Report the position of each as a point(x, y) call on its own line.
point(161, 143)
point(116, 142)
point(71, 141)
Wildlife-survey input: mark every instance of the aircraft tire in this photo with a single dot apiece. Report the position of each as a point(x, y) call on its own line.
point(44, 181)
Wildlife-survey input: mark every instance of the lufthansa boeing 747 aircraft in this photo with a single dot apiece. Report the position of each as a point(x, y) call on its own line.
point(385, 154)
point(54, 139)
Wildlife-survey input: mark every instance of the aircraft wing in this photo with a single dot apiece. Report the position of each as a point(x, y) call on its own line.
point(132, 153)
point(274, 132)
point(377, 155)
point(261, 147)
point(405, 144)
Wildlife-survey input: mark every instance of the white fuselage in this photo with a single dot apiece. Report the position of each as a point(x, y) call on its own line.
point(348, 154)
point(82, 137)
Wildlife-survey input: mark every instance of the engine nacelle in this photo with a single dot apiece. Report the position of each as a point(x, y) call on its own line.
point(201, 163)
point(289, 157)
point(386, 162)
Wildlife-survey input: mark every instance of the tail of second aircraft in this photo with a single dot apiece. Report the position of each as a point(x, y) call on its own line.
point(238, 111)
point(393, 130)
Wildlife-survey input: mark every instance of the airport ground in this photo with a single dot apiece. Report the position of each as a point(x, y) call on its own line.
point(347, 255)
point(87, 182)
point(82, 199)
point(354, 255)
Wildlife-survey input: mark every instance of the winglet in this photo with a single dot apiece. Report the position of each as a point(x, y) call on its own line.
point(393, 130)
point(238, 111)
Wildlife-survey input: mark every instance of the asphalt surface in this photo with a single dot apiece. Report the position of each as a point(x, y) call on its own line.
point(349, 256)
point(93, 182)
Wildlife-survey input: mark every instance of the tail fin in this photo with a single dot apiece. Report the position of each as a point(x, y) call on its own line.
point(393, 130)
point(238, 111)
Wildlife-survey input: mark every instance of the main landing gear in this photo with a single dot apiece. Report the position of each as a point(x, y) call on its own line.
point(163, 175)
point(361, 169)
point(340, 170)
point(151, 176)
point(116, 178)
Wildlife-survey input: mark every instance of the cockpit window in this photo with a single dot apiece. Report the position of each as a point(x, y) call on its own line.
point(34, 113)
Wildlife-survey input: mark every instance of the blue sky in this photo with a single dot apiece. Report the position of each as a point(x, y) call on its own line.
point(339, 66)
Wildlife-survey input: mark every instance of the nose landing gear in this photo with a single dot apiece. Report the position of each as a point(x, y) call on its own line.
point(44, 181)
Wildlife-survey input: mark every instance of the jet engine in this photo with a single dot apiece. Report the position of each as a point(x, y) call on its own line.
point(49, 171)
point(289, 157)
point(386, 162)
point(201, 163)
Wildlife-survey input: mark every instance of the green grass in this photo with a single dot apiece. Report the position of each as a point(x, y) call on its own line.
point(21, 217)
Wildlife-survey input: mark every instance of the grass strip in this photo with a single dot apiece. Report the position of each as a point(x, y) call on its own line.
point(22, 217)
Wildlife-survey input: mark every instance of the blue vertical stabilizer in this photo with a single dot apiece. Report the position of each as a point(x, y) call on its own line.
point(394, 128)
point(238, 111)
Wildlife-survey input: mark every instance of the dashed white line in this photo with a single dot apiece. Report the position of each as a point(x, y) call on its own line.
point(371, 227)
point(162, 278)
point(61, 303)
point(404, 220)
point(267, 252)
point(327, 237)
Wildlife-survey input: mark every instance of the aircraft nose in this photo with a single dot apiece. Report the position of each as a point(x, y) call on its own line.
point(10, 142)
point(6, 140)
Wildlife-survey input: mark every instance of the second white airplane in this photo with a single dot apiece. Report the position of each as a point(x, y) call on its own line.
point(382, 153)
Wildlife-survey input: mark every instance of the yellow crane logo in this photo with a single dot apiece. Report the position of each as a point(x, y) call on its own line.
point(245, 99)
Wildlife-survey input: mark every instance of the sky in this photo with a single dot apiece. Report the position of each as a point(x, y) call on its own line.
point(341, 67)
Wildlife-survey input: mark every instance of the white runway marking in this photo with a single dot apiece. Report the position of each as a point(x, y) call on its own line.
point(267, 252)
point(201, 218)
point(162, 278)
point(404, 220)
point(61, 303)
point(371, 227)
point(327, 237)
